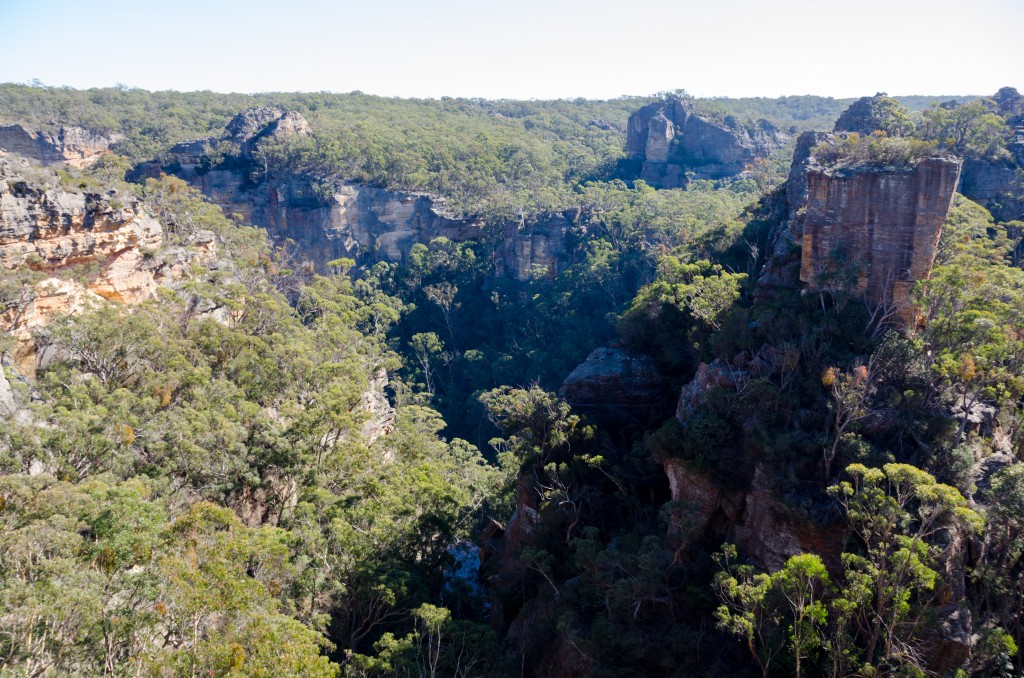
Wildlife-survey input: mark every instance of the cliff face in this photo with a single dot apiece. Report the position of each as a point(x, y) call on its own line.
point(365, 223)
point(876, 228)
point(868, 229)
point(72, 145)
point(51, 228)
point(998, 185)
point(667, 139)
point(755, 520)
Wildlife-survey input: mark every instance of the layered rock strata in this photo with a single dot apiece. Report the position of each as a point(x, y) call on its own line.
point(876, 229)
point(617, 387)
point(109, 237)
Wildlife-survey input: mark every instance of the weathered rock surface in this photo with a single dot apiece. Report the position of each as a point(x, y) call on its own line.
point(754, 519)
point(72, 145)
point(50, 228)
point(998, 185)
point(10, 404)
point(667, 139)
point(877, 227)
point(380, 414)
point(617, 386)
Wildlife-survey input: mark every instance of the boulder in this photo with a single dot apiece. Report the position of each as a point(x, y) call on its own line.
point(864, 116)
point(617, 387)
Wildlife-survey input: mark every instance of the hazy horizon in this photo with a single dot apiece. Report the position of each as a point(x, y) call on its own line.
point(592, 49)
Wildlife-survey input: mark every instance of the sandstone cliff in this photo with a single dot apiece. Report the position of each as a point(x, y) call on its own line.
point(668, 139)
point(50, 228)
point(72, 145)
point(110, 238)
point(362, 222)
point(865, 228)
point(876, 228)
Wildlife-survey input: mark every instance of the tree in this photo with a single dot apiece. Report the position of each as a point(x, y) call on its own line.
point(803, 584)
point(746, 608)
point(969, 130)
point(902, 517)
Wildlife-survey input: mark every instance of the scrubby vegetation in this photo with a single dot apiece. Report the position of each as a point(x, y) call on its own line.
point(201, 484)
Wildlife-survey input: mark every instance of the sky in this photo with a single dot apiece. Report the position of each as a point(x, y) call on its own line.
point(520, 49)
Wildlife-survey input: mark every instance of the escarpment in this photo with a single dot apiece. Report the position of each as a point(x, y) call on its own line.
point(108, 238)
point(74, 146)
point(365, 223)
point(668, 140)
point(51, 228)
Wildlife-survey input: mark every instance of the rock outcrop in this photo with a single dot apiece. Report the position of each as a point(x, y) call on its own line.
point(744, 507)
point(666, 140)
point(864, 116)
point(75, 146)
point(617, 387)
point(866, 228)
point(380, 414)
point(876, 229)
point(998, 184)
point(753, 518)
point(50, 229)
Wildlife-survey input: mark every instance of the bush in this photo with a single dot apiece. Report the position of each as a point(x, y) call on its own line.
point(855, 150)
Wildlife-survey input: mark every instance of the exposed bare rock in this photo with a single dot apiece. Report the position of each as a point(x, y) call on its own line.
point(709, 376)
point(617, 386)
point(876, 228)
point(667, 139)
point(49, 228)
point(251, 123)
point(274, 498)
point(365, 223)
point(537, 249)
point(525, 521)
point(11, 405)
point(380, 415)
point(998, 183)
point(951, 643)
point(72, 145)
point(52, 298)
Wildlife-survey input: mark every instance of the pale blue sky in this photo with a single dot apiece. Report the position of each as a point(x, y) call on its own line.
point(520, 48)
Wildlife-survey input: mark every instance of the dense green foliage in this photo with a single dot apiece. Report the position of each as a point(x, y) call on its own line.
point(212, 483)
